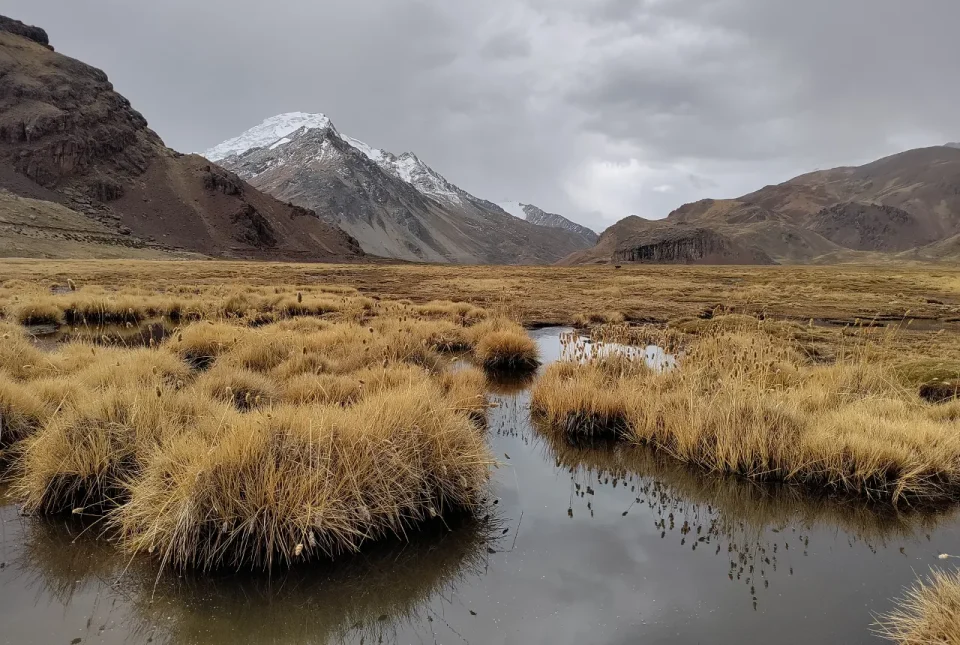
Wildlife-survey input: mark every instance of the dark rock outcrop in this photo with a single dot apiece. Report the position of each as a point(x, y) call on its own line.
point(687, 246)
point(36, 34)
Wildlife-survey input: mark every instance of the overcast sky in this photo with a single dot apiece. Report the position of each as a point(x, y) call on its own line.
point(596, 109)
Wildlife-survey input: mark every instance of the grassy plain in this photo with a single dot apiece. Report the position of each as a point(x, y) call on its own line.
point(204, 444)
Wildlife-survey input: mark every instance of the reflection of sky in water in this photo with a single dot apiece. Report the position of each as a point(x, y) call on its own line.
point(605, 545)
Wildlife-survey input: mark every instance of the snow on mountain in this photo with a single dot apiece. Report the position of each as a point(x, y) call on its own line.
point(514, 208)
point(538, 216)
point(955, 144)
point(278, 130)
point(271, 132)
point(410, 169)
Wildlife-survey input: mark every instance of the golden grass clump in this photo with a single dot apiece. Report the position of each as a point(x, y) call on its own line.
point(36, 312)
point(201, 343)
point(92, 309)
point(104, 367)
point(21, 359)
point(305, 482)
point(928, 614)
point(243, 389)
point(347, 389)
point(466, 389)
point(746, 403)
point(83, 457)
point(22, 412)
point(501, 344)
point(589, 402)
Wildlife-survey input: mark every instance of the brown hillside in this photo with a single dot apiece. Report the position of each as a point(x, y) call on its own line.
point(906, 203)
point(66, 136)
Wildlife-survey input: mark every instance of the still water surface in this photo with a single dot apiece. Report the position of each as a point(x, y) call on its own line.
point(584, 545)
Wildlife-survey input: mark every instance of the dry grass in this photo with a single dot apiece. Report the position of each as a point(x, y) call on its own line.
point(746, 402)
point(21, 412)
point(35, 313)
point(503, 345)
point(299, 482)
point(929, 613)
point(332, 433)
point(81, 459)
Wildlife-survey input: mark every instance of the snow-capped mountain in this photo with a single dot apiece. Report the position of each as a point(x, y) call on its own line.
point(276, 131)
point(955, 144)
point(534, 215)
point(272, 131)
point(395, 206)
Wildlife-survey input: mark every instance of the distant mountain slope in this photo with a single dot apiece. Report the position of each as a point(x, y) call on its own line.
point(395, 206)
point(534, 215)
point(635, 239)
point(67, 137)
point(905, 201)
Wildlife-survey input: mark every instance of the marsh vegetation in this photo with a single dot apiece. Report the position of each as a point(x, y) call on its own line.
point(215, 417)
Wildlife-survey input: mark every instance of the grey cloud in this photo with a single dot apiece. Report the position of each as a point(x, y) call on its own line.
point(506, 46)
point(581, 107)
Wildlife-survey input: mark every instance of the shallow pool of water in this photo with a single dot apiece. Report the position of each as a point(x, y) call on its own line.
point(600, 544)
point(142, 334)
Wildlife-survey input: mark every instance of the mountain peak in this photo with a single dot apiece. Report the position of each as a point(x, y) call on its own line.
point(540, 217)
point(270, 132)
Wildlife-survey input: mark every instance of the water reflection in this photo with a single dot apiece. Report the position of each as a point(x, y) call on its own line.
point(123, 335)
point(390, 589)
point(749, 524)
point(594, 543)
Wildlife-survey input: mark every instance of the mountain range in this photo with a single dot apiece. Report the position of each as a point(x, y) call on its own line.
point(395, 205)
point(82, 175)
point(903, 206)
point(79, 159)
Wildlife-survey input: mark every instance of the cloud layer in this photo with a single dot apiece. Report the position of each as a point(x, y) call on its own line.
point(596, 109)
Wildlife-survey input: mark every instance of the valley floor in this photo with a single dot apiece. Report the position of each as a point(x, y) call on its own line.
point(918, 300)
point(138, 391)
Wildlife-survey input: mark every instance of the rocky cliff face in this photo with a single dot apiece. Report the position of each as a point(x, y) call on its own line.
point(638, 240)
point(66, 136)
point(690, 246)
point(870, 227)
point(395, 206)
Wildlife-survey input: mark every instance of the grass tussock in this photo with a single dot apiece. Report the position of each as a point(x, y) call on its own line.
point(300, 482)
point(928, 614)
point(81, 460)
point(503, 345)
point(331, 433)
point(747, 403)
point(22, 412)
point(36, 313)
point(243, 389)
